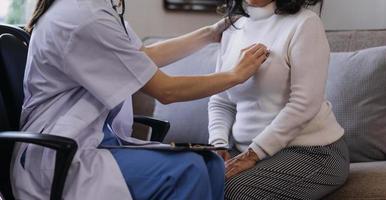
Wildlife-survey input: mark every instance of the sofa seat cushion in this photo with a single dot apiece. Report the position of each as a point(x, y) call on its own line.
point(366, 181)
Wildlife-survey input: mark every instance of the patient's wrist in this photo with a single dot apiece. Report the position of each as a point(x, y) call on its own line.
point(252, 155)
point(258, 151)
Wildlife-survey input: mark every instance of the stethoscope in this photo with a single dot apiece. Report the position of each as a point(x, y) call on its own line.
point(115, 7)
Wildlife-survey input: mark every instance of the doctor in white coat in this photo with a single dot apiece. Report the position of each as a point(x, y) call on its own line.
point(84, 61)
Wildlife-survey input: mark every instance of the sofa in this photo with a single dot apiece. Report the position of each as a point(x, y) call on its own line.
point(367, 179)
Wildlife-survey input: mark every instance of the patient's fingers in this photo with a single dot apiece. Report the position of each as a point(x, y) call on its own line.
point(232, 168)
point(230, 173)
point(231, 162)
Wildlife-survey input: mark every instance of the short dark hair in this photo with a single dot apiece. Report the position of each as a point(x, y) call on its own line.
point(283, 7)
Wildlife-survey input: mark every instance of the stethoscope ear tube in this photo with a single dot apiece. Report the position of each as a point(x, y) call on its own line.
point(121, 14)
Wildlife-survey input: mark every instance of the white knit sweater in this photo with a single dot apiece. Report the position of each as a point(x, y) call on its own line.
point(284, 103)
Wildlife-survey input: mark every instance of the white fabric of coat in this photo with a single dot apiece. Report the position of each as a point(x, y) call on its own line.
point(81, 64)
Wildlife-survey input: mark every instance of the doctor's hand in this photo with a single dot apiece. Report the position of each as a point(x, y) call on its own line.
point(251, 59)
point(240, 163)
point(218, 28)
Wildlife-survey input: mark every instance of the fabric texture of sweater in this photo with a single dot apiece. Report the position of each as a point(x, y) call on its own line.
point(284, 103)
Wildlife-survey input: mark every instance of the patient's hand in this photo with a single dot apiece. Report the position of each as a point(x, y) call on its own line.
point(240, 163)
point(224, 154)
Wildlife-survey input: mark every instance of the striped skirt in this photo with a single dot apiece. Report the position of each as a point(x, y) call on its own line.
point(297, 172)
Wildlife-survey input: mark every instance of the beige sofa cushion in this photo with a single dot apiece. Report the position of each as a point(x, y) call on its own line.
point(366, 181)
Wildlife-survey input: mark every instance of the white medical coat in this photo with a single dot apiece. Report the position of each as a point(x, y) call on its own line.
point(80, 65)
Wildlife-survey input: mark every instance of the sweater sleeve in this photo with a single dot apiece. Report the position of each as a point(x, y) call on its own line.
point(221, 118)
point(221, 111)
point(308, 58)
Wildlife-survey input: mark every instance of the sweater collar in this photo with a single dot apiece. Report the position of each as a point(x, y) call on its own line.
point(259, 13)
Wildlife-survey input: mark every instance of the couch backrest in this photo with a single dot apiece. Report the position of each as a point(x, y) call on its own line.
point(341, 41)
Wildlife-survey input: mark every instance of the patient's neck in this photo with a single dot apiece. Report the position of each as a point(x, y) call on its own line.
point(259, 13)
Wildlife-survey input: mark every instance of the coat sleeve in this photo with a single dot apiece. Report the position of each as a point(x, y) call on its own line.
point(106, 61)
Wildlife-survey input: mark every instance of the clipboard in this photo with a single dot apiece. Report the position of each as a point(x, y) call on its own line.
point(169, 147)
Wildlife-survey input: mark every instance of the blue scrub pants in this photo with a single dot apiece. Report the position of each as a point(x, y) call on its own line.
point(162, 175)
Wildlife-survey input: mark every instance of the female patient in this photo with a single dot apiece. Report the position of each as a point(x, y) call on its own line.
point(291, 143)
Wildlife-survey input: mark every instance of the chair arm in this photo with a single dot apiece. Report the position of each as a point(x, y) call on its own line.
point(65, 151)
point(159, 128)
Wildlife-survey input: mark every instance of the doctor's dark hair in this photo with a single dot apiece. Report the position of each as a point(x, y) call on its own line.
point(41, 7)
point(283, 7)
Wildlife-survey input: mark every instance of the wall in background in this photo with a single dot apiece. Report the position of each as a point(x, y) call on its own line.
point(148, 17)
point(355, 14)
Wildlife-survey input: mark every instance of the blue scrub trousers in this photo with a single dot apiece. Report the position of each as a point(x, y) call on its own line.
point(159, 175)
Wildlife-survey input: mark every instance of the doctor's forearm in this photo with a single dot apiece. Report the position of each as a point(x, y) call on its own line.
point(169, 51)
point(168, 89)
